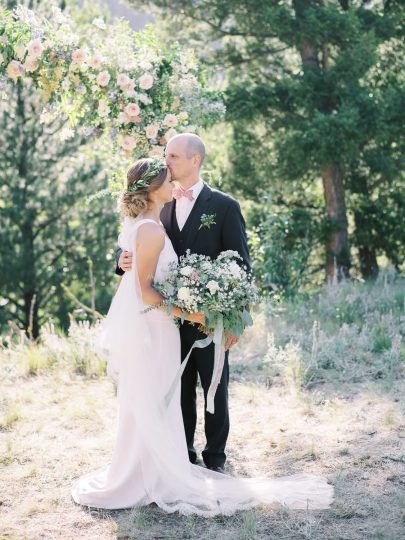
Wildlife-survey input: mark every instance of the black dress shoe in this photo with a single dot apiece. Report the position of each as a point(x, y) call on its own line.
point(217, 469)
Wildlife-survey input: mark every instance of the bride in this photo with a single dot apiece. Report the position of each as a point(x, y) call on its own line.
point(150, 462)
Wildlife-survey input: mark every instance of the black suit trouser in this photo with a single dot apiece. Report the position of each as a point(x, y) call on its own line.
point(201, 363)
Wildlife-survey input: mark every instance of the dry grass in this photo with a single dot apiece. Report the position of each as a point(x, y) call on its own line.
point(327, 399)
point(355, 436)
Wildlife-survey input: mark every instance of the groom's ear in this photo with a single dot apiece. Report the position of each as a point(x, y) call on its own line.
point(197, 160)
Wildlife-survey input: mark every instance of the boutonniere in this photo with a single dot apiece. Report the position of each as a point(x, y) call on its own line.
point(207, 220)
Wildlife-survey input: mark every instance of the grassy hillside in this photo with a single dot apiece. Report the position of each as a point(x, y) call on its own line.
point(316, 386)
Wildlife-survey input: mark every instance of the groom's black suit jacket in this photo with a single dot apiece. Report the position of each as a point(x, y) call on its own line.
point(228, 232)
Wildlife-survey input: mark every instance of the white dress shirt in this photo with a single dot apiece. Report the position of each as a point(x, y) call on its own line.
point(184, 206)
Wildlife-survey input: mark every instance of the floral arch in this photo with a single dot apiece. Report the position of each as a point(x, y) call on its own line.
point(111, 80)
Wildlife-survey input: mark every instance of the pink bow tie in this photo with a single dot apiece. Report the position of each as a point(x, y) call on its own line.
point(179, 192)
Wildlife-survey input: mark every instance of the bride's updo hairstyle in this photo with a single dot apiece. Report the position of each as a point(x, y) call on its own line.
point(145, 176)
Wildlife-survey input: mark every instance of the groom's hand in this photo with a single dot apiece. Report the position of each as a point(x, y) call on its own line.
point(230, 341)
point(125, 261)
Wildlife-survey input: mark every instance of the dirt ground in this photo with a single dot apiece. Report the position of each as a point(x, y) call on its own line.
point(56, 427)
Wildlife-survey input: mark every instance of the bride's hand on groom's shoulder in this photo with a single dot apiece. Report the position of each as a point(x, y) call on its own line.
point(125, 261)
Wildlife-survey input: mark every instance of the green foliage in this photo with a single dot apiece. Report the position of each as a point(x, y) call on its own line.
point(308, 85)
point(47, 233)
point(281, 241)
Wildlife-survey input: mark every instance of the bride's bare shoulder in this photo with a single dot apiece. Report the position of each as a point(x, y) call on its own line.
point(150, 234)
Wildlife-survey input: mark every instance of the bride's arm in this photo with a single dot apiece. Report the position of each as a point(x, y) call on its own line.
point(150, 242)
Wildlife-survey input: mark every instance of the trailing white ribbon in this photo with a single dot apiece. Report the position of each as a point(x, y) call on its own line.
point(219, 358)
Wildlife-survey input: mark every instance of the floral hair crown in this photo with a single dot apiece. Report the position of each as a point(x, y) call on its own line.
point(154, 168)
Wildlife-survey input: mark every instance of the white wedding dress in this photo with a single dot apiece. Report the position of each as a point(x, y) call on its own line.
point(150, 461)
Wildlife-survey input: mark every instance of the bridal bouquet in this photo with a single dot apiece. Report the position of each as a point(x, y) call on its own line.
point(223, 291)
point(220, 288)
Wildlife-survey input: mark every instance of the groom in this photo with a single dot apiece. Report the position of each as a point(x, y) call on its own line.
point(205, 221)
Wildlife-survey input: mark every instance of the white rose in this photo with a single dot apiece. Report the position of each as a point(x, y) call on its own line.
point(234, 268)
point(183, 293)
point(103, 109)
point(213, 286)
point(146, 81)
point(103, 78)
point(186, 271)
point(20, 51)
point(122, 118)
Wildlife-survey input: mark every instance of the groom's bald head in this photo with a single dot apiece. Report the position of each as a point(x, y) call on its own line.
point(190, 143)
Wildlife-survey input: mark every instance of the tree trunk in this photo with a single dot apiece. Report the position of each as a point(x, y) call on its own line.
point(314, 58)
point(337, 245)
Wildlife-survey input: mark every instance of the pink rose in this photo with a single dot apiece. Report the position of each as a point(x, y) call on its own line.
point(96, 61)
point(79, 56)
point(128, 87)
point(157, 151)
point(15, 70)
point(31, 64)
point(170, 133)
point(35, 48)
point(170, 120)
point(122, 80)
point(103, 78)
point(132, 109)
point(152, 131)
point(146, 81)
point(127, 142)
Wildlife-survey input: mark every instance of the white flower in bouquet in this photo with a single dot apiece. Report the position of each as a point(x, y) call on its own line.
point(186, 271)
point(234, 269)
point(213, 286)
point(183, 293)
